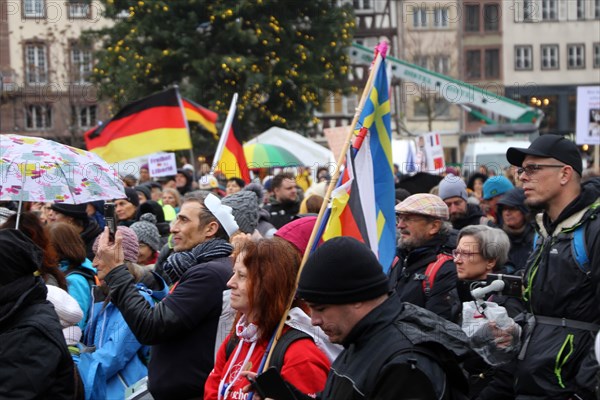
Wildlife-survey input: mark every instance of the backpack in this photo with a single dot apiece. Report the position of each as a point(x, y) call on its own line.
point(428, 278)
point(89, 275)
point(288, 337)
point(578, 243)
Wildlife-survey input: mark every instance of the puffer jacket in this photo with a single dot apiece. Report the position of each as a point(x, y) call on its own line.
point(556, 361)
point(34, 360)
point(406, 277)
point(375, 364)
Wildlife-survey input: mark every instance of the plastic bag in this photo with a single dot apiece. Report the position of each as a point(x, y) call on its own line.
point(492, 333)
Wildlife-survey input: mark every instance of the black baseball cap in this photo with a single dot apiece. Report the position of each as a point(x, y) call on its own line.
point(550, 146)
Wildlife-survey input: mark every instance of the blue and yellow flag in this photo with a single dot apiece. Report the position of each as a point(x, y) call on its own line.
point(362, 204)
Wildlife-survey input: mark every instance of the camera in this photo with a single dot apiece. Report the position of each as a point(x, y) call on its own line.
point(513, 284)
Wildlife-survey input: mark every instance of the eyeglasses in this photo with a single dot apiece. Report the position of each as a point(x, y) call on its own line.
point(533, 168)
point(461, 254)
point(408, 218)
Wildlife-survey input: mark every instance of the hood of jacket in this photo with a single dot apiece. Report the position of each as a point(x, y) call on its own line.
point(572, 214)
point(21, 292)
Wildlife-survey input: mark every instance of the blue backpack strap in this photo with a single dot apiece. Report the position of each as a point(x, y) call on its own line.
point(536, 236)
point(579, 250)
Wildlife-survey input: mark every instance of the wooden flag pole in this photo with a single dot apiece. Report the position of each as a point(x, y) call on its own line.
point(332, 183)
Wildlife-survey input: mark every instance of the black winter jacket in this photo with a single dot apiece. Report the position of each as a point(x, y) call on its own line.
point(375, 365)
point(406, 277)
point(558, 361)
point(474, 217)
point(34, 360)
point(281, 213)
point(89, 235)
point(181, 329)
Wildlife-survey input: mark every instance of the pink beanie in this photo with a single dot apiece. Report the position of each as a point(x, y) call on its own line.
point(131, 247)
point(298, 231)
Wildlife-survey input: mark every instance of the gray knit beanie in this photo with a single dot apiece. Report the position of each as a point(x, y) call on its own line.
point(146, 231)
point(244, 206)
point(452, 186)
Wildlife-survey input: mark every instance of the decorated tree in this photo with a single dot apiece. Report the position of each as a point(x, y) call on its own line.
point(281, 57)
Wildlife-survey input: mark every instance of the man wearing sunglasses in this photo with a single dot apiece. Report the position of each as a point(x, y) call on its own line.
point(562, 274)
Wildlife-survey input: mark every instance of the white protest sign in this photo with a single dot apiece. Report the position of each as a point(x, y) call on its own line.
point(162, 164)
point(588, 115)
point(434, 153)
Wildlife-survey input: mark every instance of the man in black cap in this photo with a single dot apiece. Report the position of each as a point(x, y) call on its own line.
point(34, 360)
point(392, 350)
point(562, 276)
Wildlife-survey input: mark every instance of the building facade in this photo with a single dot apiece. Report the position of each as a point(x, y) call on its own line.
point(551, 47)
point(46, 67)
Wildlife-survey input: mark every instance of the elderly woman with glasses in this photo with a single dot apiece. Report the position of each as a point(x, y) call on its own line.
point(482, 250)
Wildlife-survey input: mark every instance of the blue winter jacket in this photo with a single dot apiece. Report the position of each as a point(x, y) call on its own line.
point(119, 360)
point(79, 287)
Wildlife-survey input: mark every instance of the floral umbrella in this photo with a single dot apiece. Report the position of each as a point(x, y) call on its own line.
point(36, 169)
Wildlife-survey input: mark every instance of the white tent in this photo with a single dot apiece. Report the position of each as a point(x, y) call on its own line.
point(310, 153)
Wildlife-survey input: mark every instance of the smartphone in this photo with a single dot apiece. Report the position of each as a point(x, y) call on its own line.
point(513, 284)
point(270, 384)
point(111, 219)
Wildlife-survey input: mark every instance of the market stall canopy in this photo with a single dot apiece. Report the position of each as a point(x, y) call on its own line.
point(307, 151)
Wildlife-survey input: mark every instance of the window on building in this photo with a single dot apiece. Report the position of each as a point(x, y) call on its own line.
point(84, 116)
point(442, 108)
point(576, 56)
point(420, 17)
point(38, 116)
point(581, 9)
point(549, 10)
point(492, 63)
point(421, 107)
point(362, 4)
point(523, 58)
point(596, 9)
point(81, 64)
point(79, 10)
point(549, 56)
point(33, 8)
point(441, 64)
point(473, 64)
point(472, 18)
point(528, 10)
point(491, 17)
point(440, 17)
point(596, 52)
point(421, 61)
point(36, 63)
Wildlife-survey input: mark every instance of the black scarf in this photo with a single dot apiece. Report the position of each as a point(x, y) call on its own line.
point(181, 261)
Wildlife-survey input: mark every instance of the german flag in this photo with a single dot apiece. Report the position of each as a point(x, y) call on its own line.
point(149, 125)
point(232, 162)
point(203, 116)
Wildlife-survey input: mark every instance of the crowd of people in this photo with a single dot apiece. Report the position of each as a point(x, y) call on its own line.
point(189, 292)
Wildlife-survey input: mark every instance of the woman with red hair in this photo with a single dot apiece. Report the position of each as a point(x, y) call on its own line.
point(263, 282)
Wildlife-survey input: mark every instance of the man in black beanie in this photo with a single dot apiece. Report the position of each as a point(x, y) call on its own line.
point(34, 361)
point(392, 350)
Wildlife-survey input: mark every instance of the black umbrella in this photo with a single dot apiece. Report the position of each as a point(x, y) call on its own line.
point(421, 182)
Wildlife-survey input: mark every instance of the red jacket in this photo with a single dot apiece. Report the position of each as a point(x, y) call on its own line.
point(304, 366)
